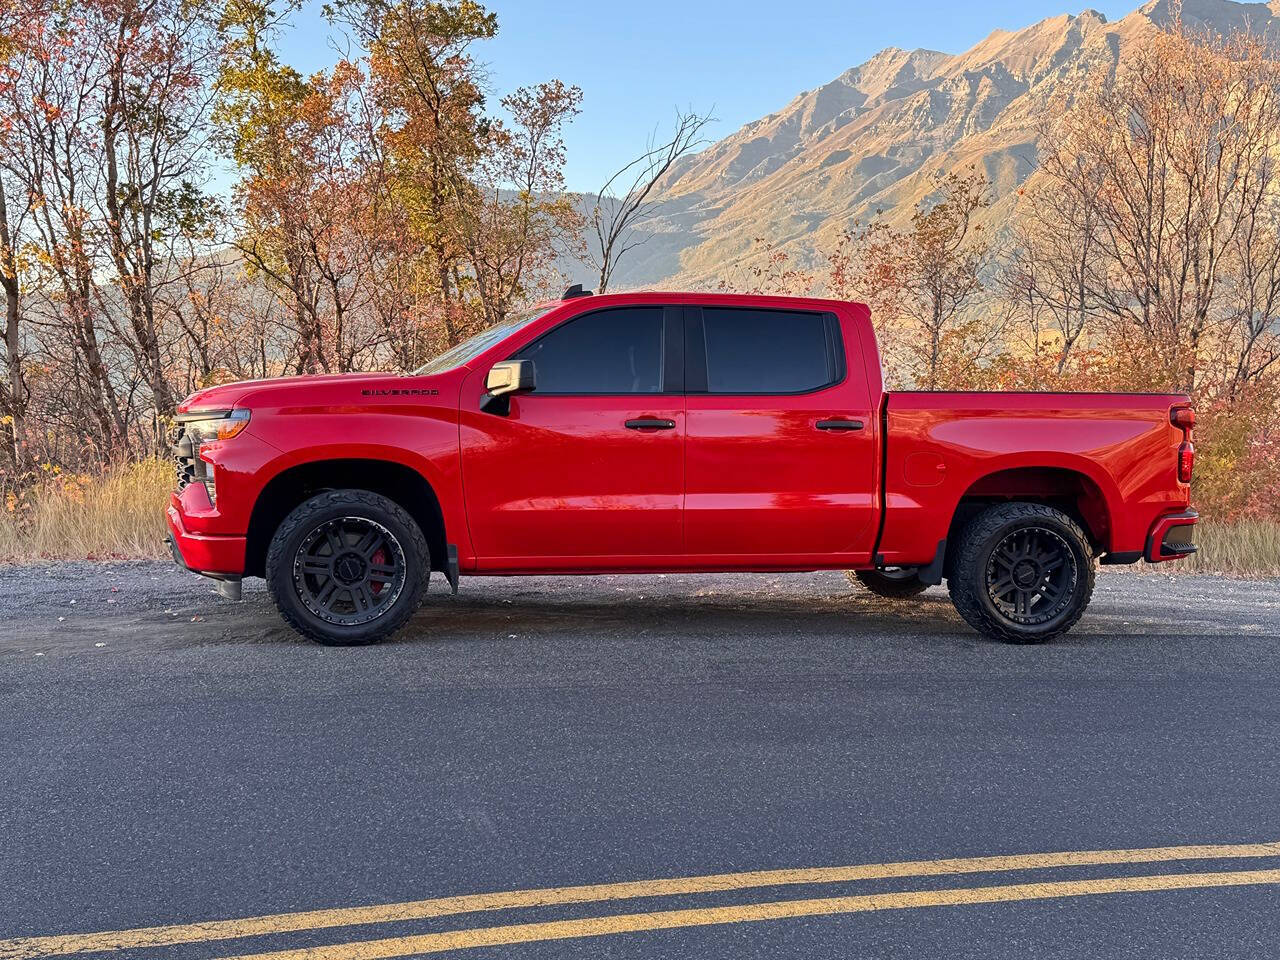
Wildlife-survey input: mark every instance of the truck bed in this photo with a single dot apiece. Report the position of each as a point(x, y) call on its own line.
point(1113, 454)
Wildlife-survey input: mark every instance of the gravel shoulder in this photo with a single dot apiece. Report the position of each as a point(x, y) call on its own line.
point(133, 608)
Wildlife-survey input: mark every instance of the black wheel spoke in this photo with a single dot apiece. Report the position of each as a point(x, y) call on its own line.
point(327, 594)
point(1002, 587)
point(334, 541)
point(349, 571)
point(1030, 575)
point(358, 598)
point(369, 544)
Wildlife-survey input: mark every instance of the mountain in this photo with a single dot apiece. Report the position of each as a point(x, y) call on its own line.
point(873, 137)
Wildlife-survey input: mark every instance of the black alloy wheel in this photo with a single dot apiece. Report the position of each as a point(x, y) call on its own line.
point(1021, 572)
point(347, 567)
point(349, 570)
point(1031, 575)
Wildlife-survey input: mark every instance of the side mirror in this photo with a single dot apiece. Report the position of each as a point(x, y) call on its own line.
point(506, 378)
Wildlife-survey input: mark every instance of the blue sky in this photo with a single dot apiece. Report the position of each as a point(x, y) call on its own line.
point(746, 58)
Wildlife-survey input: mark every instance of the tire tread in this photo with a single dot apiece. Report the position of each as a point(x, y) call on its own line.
point(964, 583)
point(883, 587)
point(278, 565)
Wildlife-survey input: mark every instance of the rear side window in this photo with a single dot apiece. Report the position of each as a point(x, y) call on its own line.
point(769, 351)
point(609, 351)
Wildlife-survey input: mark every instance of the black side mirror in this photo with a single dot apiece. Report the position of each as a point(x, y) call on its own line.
point(504, 379)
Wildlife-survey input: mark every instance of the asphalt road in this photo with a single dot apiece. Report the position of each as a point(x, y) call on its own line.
point(171, 758)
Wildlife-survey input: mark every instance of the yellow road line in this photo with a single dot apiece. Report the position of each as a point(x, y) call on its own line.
point(29, 948)
point(779, 910)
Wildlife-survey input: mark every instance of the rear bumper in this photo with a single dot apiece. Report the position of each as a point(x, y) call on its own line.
point(221, 557)
point(1171, 537)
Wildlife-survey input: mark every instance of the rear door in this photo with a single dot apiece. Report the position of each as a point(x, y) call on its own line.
point(588, 469)
point(780, 456)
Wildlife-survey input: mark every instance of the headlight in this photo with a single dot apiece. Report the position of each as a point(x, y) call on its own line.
point(216, 427)
point(192, 431)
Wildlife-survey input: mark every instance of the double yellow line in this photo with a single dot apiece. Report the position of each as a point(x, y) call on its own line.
point(30, 948)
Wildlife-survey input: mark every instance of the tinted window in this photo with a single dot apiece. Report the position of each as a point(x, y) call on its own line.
point(610, 351)
point(766, 351)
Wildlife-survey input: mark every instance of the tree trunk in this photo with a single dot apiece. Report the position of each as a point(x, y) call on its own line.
point(16, 399)
point(131, 249)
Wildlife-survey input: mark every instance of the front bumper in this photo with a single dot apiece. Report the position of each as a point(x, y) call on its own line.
point(221, 557)
point(1171, 537)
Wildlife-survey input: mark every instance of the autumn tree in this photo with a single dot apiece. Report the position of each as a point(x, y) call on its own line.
point(51, 150)
point(431, 93)
point(304, 188)
point(13, 407)
point(512, 230)
point(103, 149)
point(926, 277)
point(1050, 277)
point(157, 59)
point(1173, 165)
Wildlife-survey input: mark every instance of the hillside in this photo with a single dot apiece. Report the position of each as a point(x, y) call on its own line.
point(872, 138)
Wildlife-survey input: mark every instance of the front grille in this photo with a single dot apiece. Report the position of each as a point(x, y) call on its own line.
point(186, 458)
point(187, 466)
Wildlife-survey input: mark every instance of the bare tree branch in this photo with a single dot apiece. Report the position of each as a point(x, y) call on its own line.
point(615, 219)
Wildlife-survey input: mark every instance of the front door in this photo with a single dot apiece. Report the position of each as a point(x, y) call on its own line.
point(781, 449)
point(589, 466)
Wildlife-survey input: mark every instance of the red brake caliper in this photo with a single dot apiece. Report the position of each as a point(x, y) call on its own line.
point(379, 556)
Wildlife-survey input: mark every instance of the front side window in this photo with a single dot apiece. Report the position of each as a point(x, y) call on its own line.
point(606, 352)
point(768, 351)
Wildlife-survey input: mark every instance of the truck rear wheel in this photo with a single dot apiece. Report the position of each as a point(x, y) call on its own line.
point(895, 583)
point(347, 567)
point(1022, 573)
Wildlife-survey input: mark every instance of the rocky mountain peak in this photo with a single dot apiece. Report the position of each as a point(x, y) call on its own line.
point(874, 137)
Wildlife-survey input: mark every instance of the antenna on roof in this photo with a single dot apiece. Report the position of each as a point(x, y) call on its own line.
point(574, 292)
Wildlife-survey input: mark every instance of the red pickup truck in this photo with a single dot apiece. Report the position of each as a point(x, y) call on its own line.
point(648, 432)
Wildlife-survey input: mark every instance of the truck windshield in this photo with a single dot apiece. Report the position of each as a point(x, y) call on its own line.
point(482, 341)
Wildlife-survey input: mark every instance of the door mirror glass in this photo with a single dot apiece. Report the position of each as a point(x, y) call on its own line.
point(505, 379)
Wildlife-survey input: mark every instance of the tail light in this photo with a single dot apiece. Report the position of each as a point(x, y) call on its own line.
point(1184, 418)
point(1186, 461)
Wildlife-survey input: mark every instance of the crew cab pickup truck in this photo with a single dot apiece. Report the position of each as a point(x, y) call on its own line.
point(648, 432)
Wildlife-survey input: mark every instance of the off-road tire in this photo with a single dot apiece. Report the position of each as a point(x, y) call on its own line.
point(890, 586)
point(972, 565)
point(339, 505)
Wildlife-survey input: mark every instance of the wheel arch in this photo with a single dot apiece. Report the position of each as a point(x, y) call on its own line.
point(298, 483)
point(1075, 492)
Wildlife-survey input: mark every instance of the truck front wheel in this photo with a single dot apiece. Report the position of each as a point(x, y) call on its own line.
point(1022, 573)
point(347, 567)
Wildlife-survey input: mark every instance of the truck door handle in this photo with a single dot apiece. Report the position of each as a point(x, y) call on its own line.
point(839, 424)
point(650, 423)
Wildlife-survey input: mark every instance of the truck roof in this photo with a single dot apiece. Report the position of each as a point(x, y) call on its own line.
point(700, 296)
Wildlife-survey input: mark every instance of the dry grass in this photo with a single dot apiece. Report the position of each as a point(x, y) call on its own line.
point(1248, 549)
point(121, 514)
